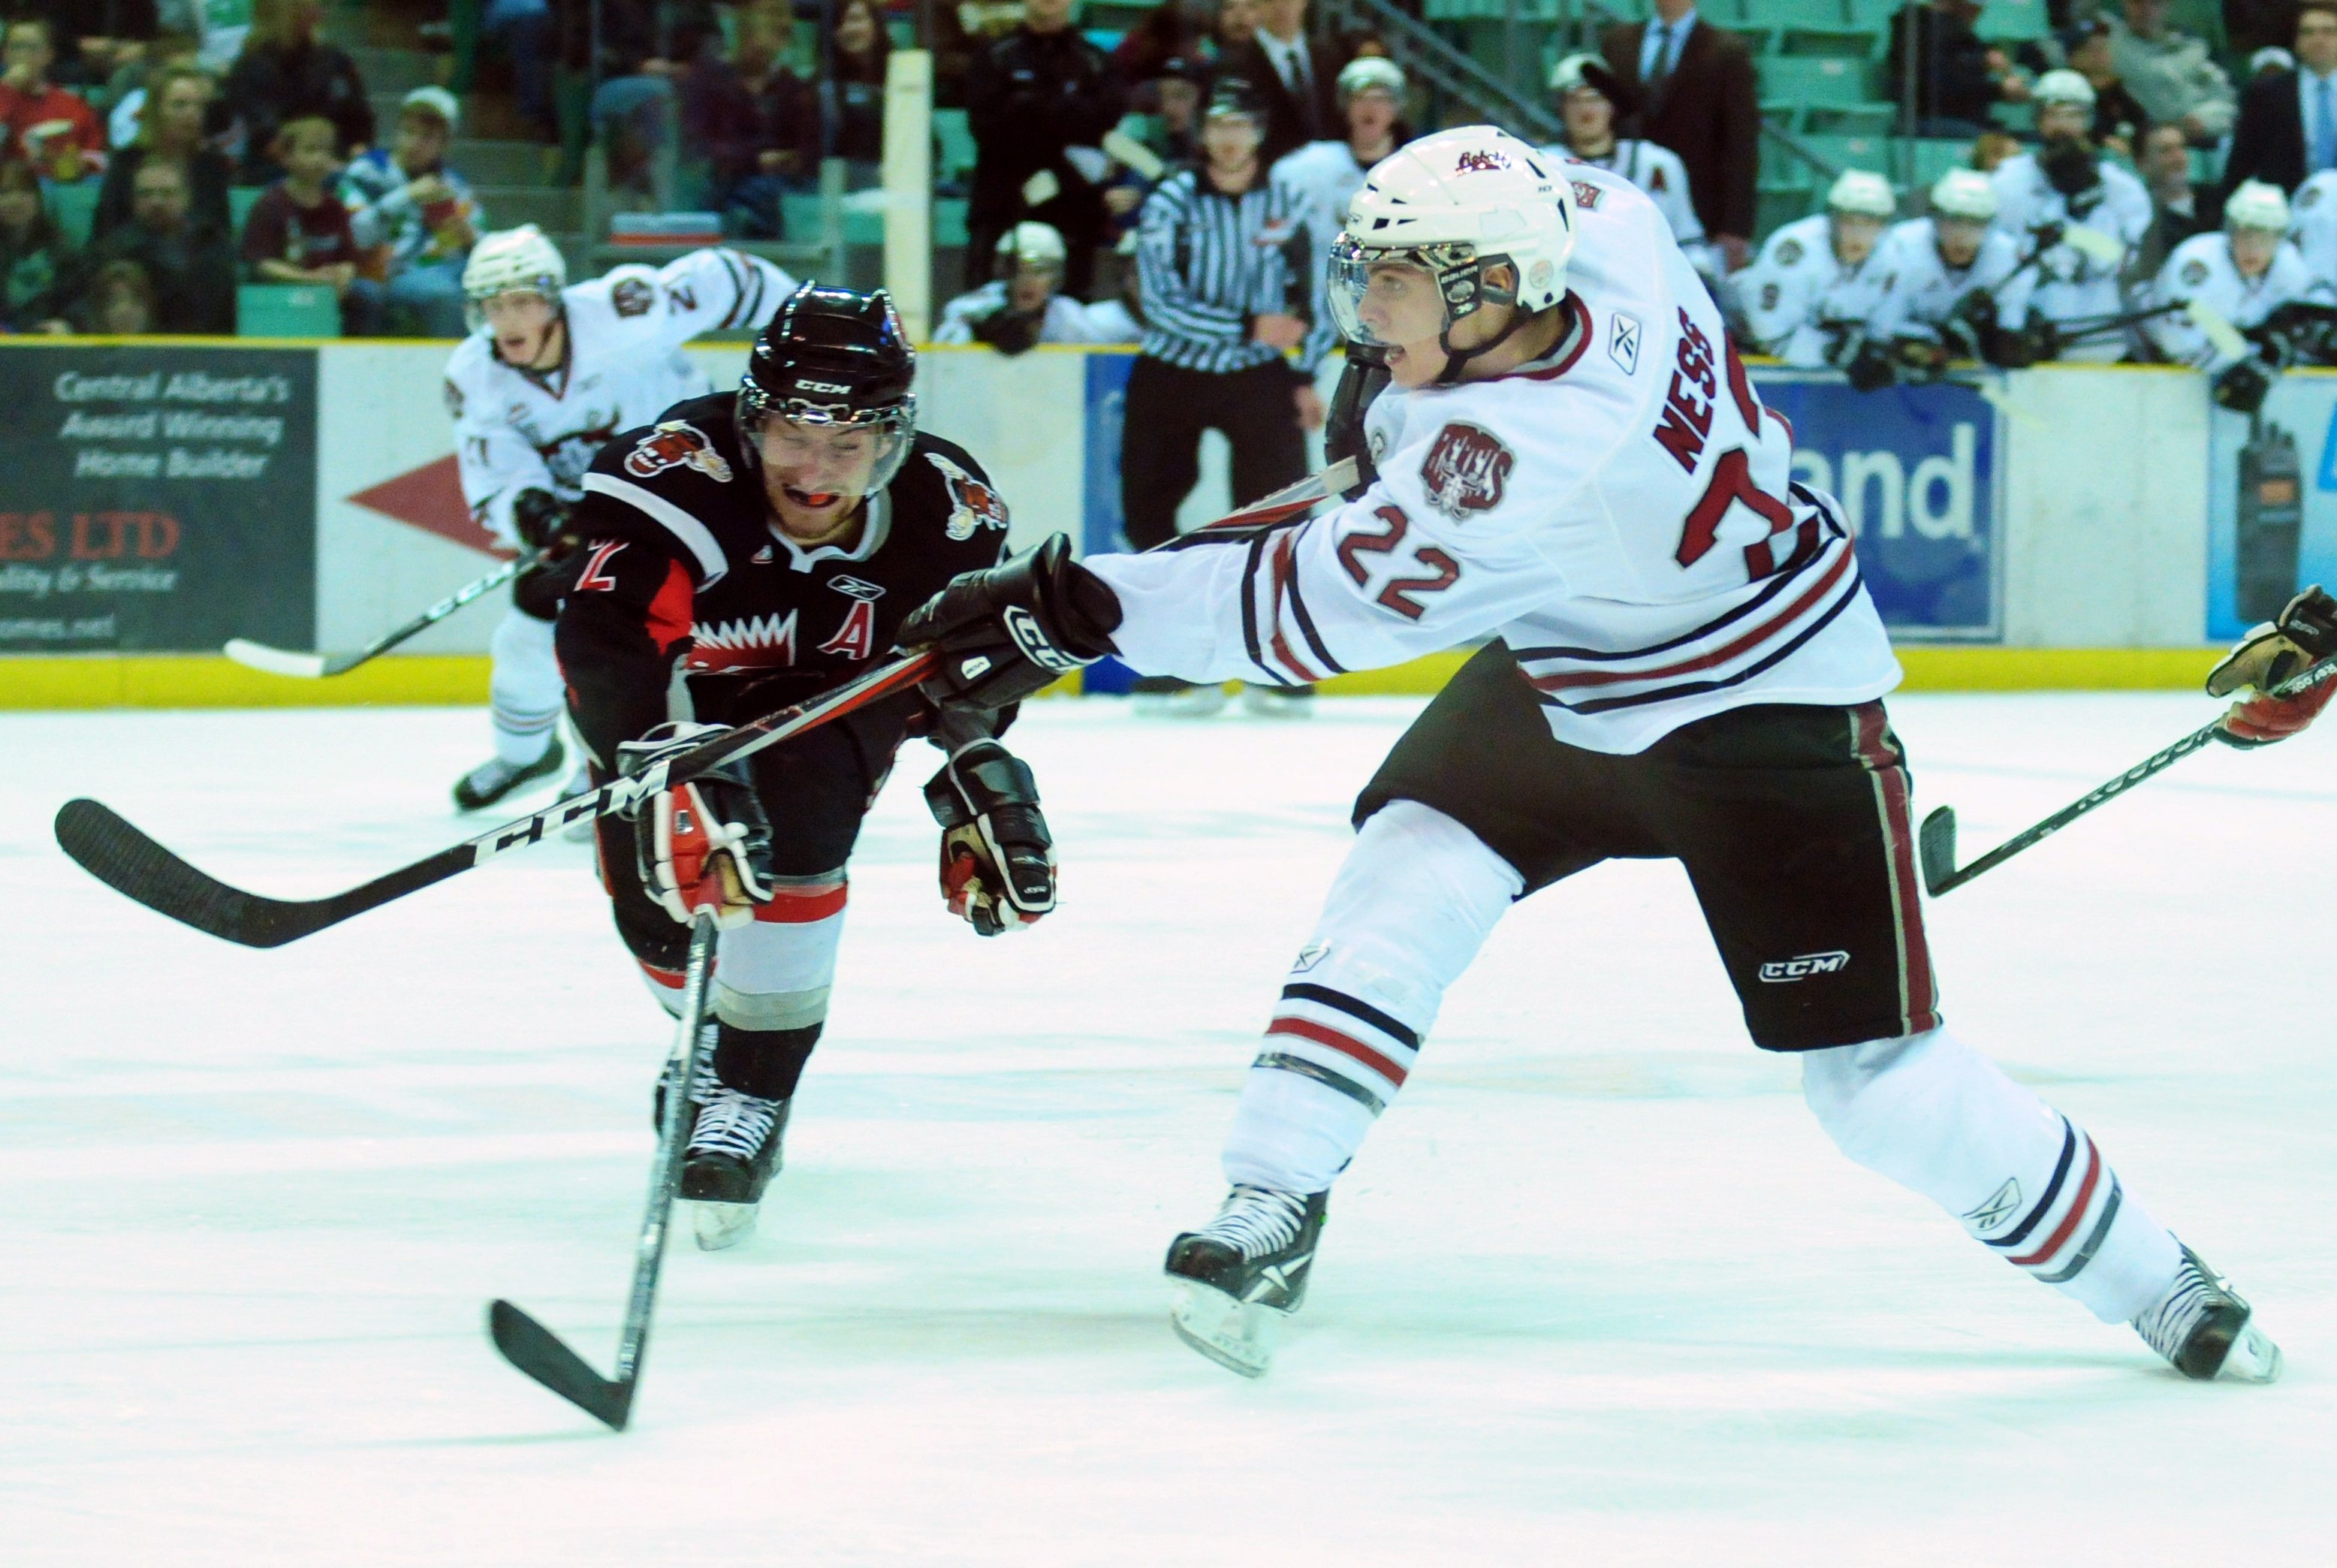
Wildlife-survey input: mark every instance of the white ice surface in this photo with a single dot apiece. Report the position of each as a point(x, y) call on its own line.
point(1597, 1291)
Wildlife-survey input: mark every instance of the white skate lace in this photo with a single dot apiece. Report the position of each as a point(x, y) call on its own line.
point(730, 1122)
point(1257, 1221)
point(2168, 1324)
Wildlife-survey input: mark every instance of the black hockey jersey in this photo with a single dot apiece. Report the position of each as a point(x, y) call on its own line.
point(681, 565)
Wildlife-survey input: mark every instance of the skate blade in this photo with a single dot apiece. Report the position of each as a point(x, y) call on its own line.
point(2253, 1358)
point(718, 1226)
point(1236, 1335)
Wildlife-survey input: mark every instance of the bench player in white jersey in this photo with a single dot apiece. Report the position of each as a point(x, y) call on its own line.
point(2078, 211)
point(1952, 284)
point(2313, 214)
point(1807, 295)
point(548, 373)
point(1024, 305)
point(1587, 92)
point(1321, 177)
point(2242, 275)
point(1686, 666)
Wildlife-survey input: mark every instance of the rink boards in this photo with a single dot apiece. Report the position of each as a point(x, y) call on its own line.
point(2064, 526)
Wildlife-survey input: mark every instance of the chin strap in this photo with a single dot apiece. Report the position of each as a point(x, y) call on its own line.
point(1457, 359)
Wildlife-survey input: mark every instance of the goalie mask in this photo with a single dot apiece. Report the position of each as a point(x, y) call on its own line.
point(831, 361)
point(1431, 225)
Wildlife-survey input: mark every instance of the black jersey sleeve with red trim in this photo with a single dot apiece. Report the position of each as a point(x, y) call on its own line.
point(625, 621)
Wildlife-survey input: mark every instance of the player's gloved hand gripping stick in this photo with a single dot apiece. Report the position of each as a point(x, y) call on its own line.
point(704, 846)
point(2289, 664)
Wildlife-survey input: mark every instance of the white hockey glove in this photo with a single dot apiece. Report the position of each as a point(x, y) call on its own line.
point(2277, 650)
point(703, 845)
point(998, 859)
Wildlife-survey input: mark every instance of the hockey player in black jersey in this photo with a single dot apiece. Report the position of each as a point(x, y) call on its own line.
point(743, 553)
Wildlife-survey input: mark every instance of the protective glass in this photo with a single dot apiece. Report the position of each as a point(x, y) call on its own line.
point(1386, 301)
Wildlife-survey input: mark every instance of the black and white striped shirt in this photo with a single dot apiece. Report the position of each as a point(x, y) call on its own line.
point(1207, 263)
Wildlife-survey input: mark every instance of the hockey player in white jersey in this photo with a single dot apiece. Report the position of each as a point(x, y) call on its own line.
point(1023, 305)
point(1807, 295)
point(1587, 94)
point(1321, 177)
point(2079, 213)
point(1952, 284)
point(2239, 277)
point(549, 373)
point(1686, 666)
point(2312, 212)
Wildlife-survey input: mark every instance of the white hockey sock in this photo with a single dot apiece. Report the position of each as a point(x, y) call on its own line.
point(1405, 915)
point(1938, 1117)
point(524, 693)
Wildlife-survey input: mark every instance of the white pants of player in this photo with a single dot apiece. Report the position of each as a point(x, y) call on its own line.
point(524, 692)
point(1417, 897)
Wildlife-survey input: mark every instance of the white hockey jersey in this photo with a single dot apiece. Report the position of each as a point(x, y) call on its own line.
point(1659, 171)
point(2201, 268)
point(1622, 515)
point(1920, 290)
point(1319, 180)
point(1066, 320)
point(1798, 300)
point(2070, 285)
point(518, 430)
point(2313, 225)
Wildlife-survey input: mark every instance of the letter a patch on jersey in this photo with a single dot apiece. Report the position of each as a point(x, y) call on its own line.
point(674, 444)
point(1467, 470)
point(857, 638)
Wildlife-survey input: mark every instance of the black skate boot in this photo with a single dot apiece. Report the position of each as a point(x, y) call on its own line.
point(493, 779)
point(734, 1152)
point(2207, 1330)
point(1238, 1276)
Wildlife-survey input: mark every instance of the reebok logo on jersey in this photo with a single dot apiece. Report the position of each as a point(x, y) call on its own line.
point(674, 445)
point(1784, 971)
point(973, 506)
point(1623, 343)
point(853, 588)
point(1466, 471)
point(2001, 1205)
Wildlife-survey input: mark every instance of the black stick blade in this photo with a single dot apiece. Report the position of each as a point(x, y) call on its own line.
point(105, 845)
point(1936, 844)
point(539, 1353)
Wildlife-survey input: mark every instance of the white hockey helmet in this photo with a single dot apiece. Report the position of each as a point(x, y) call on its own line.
point(2063, 86)
point(2256, 204)
point(1966, 194)
point(1371, 73)
point(512, 260)
point(1862, 193)
point(1457, 205)
point(1037, 247)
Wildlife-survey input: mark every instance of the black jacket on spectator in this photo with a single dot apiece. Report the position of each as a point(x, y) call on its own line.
point(1292, 119)
point(1032, 95)
point(39, 275)
point(1951, 75)
point(71, 21)
point(733, 122)
point(1707, 111)
point(2268, 142)
point(2116, 114)
point(2169, 228)
point(208, 175)
point(632, 31)
point(269, 83)
point(193, 274)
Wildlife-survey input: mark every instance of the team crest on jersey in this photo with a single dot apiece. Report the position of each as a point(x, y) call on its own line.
point(1789, 251)
point(633, 296)
point(1586, 195)
point(1467, 470)
point(1623, 343)
point(676, 444)
point(2195, 272)
point(1481, 162)
point(973, 506)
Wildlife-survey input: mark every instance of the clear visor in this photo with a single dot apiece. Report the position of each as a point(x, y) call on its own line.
point(818, 456)
point(499, 308)
point(1383, 299)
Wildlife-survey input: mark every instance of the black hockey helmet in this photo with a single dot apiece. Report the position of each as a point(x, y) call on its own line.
point(1233, 95)
point(833, 356)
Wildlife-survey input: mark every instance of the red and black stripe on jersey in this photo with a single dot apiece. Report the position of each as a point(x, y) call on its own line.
point(683, 567)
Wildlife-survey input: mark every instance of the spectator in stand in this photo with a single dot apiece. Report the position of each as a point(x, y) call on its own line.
point(47, 126)
point(415, 217)
point(1024, 305)
point(285, 69)
point(2288, 121)
point(1042, 95)
point(1170, 106)
point(1692, 88)
point(2119, 121)
point(2177, 207)
point(1958, 78)
point(755, 123)
point(1169, 31)
point(117, 303)
point(1991, 148)
point(1295, 76)
point(37, 265)
point(852, 92)
point(170, 131)
point(1586, 93)
point(131, 84)
point(92, 37)
point(1233, 27)
point(190, 268)
point(298, 232)
point(522, 29)
point(2171, 75)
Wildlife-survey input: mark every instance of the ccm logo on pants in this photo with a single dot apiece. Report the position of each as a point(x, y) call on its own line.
point(1781, 970)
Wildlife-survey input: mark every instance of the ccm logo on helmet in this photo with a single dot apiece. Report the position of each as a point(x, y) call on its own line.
point(829, 386)
point(1781, 971)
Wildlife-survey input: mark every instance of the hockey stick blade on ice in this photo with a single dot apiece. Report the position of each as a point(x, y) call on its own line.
point(117, 853)
point(539, 1353)
point(1935, 844)
point(318, 666)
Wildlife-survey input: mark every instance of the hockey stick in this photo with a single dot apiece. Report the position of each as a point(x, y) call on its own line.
point(1287, 501)
point(316, 666)
point(110, 848)
point(1936, 843)
point(536, 1350)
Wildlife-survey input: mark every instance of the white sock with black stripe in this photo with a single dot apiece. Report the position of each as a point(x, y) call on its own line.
point(1938, 1117)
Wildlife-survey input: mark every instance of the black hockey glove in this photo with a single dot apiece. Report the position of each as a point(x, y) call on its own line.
point(541, 519)
point(1010, 332)
point(1870, 369)
point(1008, 631)
point(2242, 388)
point(1364, 378)
point(998, 859)
point(703, 845)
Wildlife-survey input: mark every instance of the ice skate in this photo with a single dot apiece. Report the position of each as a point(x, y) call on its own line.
point(2207, 1330)
point(1166, 696)
point(1237, 1276)
point(734, 1152)
point(493, 779)
point(1278, 701)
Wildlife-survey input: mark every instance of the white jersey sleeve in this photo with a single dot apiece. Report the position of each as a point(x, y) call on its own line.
point(495, 462)
point(717, 290)
point(960, 315)
point(2315, 233)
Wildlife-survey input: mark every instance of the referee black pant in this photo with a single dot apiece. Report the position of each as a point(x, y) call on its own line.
point(1168, 408)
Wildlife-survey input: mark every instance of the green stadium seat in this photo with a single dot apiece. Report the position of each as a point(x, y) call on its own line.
point(949, 222)
point(1876, 118)
point(241, 200)
point(953, 144)
point(1935, 155)
point(1773, 209)
point(1810, 82)
point(75, 207)
point(1853, 151)
point(1840, 41)
point(287, 311)
point(2013, 19)
point(1788, 14)
point(1874, 15)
